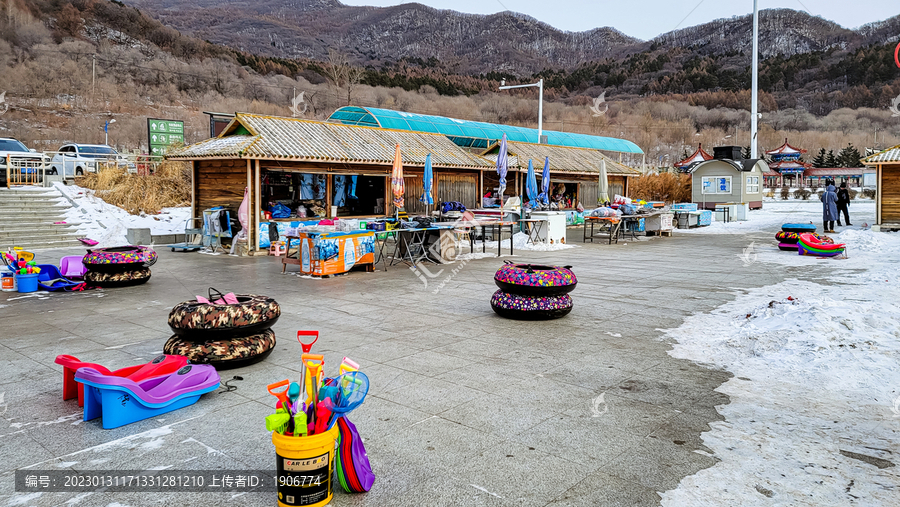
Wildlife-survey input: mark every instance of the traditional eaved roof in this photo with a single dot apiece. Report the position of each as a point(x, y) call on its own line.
point(562, 159)
point(699, 156)
point(890, 155)
point(781, 166)
point(473, 134)
point(253, 136)
point(785, 149)
point(837, 171)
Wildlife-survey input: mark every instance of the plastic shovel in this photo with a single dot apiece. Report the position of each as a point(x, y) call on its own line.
point(307, 347)
point(281, 395)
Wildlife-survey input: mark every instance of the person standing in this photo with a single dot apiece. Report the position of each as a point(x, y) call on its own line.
point(829, 208)
point(843, 202)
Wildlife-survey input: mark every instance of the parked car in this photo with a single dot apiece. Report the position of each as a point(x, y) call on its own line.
point(14, 148)
point(77, 159)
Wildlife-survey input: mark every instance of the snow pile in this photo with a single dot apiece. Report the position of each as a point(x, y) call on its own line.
point(774, 214)
point(108, 224)
point(815, 402)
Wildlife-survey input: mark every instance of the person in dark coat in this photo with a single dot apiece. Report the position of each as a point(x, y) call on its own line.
point(843, 202)
point(829, 208)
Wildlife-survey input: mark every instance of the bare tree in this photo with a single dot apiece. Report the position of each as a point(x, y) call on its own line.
point(343, 74)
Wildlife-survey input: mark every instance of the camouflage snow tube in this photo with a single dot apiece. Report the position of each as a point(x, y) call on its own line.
point(119, 258)
point(202, 321)
point(121, 279)
point(224, 353)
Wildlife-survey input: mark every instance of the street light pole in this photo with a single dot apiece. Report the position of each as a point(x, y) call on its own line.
point(106, 131)
point(754, 104)
point(540, 85)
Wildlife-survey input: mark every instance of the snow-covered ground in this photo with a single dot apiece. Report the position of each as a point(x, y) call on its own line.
point(814, 417)
point(108, 224)
point(776, 212)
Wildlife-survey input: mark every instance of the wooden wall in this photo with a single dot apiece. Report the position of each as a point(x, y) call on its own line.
point(889, 187)
point(220, 183)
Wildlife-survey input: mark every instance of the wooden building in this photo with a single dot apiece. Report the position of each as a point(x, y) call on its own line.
point(578, 169)
point(728, 178)
point(887, 195)
point(332, 170)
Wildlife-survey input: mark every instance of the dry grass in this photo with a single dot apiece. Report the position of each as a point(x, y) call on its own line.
point(169, 186)
point(668, 187)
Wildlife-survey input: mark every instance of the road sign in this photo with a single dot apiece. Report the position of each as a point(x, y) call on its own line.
point(163, 133)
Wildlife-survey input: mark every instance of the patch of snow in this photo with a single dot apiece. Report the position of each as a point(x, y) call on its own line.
point(20, 499)
point(108, 224)
point(775, 213)
point(816, 385)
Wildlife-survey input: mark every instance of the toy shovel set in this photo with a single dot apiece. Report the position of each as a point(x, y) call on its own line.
point(310, 422)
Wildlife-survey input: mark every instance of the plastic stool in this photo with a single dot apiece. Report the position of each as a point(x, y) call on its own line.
point(277, 249)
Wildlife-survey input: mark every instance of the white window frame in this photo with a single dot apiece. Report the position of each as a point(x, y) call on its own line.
point(715, 185)
point(752, 187)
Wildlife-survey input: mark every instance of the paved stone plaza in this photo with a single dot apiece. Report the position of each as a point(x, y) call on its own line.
point(465, 408)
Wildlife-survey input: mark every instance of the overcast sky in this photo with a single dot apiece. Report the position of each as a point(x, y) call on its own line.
point(646, 19)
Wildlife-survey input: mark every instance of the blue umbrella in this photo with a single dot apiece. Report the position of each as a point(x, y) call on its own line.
point(502, 167)
point(427, 198)
point(545, 183)
point(531, 188)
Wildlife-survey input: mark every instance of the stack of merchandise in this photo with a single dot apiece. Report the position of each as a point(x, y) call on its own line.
point(119, 266)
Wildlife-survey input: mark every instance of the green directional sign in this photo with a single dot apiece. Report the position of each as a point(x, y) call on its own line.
point(164, 133)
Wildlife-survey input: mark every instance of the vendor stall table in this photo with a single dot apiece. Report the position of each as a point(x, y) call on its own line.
point(330, 253)
point(381, 239)
point(630, 224)
point(534, 227)
point(496, 225)
point(609, 224)
point(412, 245)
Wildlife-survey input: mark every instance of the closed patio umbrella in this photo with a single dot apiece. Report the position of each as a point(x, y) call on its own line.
point(544, 196)
point(603, 195)
point(502, 167)
point(397, 187)
point(531, 188)
point(427, 177)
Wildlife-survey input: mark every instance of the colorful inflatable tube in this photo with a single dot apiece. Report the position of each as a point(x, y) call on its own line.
point(798, 228)
point(809, 244)
point(535, 280)
point(120, 258)
point(120, 401)
point(516, 307)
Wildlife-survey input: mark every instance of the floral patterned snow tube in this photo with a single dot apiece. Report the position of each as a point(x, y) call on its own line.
point(791, 238)
point(516, 307)
point(535, 280)
point(120, 258)
point(120, 279)
point(252, 314)
point(224, 353)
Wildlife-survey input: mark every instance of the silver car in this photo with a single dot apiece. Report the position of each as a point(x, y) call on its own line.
point(77, 159)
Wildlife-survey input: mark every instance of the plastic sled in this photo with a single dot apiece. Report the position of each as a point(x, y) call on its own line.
point(120, 401)
point(71, 267)
point(160, 365)
point(50, 279)
point(811, 245)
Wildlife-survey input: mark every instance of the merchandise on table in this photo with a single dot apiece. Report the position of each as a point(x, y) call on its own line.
point(223, 353)
point(332, 253)
point(160, 365)
point(684, 206)
point(512, 306)
point(535, 280)
point(120, 401)
point(705, 218)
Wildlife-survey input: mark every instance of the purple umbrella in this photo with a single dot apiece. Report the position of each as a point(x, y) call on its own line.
point(502, 167)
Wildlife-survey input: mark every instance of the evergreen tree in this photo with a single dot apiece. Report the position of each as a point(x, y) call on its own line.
point(746, 153)
point(830, 161)
point(819, 161)
point(849, 156)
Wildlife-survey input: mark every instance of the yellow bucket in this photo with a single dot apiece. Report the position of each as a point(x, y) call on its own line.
point(305, 467)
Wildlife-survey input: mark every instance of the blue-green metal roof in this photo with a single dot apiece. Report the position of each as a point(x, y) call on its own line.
point(473, 134)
